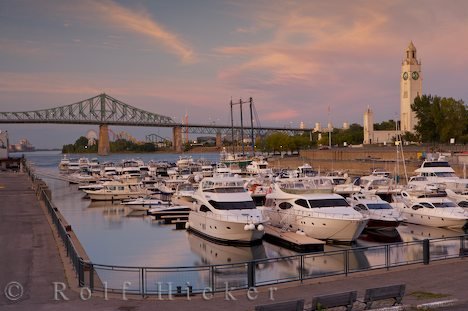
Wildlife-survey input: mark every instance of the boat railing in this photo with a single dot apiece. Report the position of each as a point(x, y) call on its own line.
point(311, 213)
point(247, 219)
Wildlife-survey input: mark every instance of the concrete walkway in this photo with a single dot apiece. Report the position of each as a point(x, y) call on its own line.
point(30, 256)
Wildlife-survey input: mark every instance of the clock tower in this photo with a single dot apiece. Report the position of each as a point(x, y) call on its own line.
point(410, 88)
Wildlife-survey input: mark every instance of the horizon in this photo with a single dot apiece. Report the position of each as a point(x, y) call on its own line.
point(298, 60)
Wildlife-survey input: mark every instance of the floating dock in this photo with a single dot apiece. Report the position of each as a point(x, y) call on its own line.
point(293, 240)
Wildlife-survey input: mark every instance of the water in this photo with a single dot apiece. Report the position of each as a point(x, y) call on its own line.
point(111, 235)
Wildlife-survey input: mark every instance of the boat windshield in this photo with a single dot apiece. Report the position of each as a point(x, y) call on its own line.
point(233, 205)
point(445, 174)
point(379, 206)
point(328, 203)
point(436, 164)
point(444, 204)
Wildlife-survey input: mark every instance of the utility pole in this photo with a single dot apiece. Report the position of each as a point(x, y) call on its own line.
point(251, 127)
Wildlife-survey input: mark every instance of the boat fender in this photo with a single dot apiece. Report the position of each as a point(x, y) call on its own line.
point(260, 227)
point(246, 227)
point(187, 225)
point(251, 227)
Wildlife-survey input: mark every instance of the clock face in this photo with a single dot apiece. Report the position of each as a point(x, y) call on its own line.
point(415, 75)
point(405, 75)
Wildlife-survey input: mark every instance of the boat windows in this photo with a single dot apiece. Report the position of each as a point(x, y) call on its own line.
point(416, 206)
point(233, 205)
point(121, 188)
point(444, 204)
point(204, 209)
point(285, 205)
point(436, 164)
point(425, 204)
point(302, 202)
point(379, 206)
point(328, 203)
point(360, 207)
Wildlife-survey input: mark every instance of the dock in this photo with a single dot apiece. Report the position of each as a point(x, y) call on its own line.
point(293, 240)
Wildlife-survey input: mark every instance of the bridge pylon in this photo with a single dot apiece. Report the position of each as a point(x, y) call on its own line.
point(103, 144)
point(219, 141)
point(177, 136)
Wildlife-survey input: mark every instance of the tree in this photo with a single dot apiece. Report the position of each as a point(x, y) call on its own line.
point(389, 125)
point(440, 119)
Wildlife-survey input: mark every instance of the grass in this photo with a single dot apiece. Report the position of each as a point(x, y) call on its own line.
point(427, 295)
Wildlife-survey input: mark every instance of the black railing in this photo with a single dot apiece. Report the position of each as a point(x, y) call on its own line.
point(221, 277)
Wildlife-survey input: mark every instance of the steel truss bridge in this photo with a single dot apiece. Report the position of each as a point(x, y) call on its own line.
point(104, 110)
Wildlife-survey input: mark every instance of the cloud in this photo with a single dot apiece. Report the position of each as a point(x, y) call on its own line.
point(279, 115)
point(140, 22)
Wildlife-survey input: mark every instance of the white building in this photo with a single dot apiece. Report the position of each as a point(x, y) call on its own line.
point(410, 88)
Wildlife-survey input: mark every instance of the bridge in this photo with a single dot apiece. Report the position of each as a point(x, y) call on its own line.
point(104, 110)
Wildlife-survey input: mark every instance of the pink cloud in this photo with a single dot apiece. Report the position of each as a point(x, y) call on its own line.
point(280, 115)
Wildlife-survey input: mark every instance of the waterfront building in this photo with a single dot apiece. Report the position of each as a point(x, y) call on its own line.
point(410, 88)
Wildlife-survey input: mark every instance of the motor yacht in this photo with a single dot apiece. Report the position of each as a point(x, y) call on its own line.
point(437, 170)
point(116, 190)
point(63, 165)
point(225, 212)
point(145, 203)
point(184, 192)
point(306, 170)
point(432, 209)
point(381, 214)
point(310, 210)
point(259, 167)
point(379, 185)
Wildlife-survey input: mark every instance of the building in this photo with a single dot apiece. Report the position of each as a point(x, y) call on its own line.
point(410, 88)
point(4, 144)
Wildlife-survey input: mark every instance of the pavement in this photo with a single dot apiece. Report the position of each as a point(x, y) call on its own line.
point(34, 268)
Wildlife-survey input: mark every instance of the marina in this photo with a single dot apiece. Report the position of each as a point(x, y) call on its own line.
point(113, 235)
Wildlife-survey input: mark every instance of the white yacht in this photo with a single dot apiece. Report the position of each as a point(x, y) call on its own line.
point(115, 190)
point(381, 214)
point(306, 170)
point(145, 203)
point(259, 167)
point(380, 185)
point(184, 192)
point(73, 165)
point(314, 212)
point(432, 209)
point(437, 170)
point(225, 212)
point(63, 165)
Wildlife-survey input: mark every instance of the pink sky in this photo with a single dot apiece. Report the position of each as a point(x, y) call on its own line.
point(295, 58)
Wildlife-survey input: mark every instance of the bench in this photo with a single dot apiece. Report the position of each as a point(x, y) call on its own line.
point(395, 292)
point(293, 305)
point(345, 299)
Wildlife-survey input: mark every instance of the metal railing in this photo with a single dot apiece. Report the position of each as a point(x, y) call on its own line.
point(221, 277)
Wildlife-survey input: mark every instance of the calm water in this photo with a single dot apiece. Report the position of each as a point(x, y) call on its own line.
point(111, 235)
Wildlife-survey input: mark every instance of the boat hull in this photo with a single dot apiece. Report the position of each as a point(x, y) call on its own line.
point(439, 221)
point(322, 228)
point(224, 231)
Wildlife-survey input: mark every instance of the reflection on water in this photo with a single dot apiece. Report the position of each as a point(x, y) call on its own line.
point(211, 253)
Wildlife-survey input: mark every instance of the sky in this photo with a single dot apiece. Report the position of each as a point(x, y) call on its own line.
point(301, 61)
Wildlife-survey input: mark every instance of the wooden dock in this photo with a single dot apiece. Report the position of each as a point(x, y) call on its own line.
point(292, 240)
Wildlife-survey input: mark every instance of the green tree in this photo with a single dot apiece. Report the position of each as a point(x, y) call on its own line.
point(389, 125)
point(440, 119)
